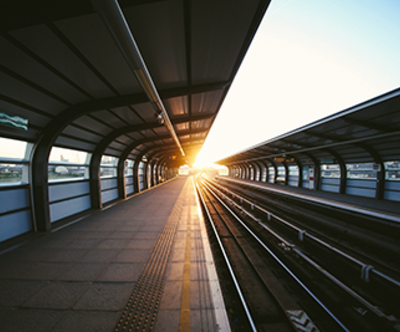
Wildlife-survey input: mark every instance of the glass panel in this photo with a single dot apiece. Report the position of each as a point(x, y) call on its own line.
point(330, 171)
point(11, 173)
point(129, 167)
point(109, 161)
point(293, 170)
point(281, 175)
point(361, 171)
point(69, 156)
point(392, 170)
point(11, 148)
point(107, 172)
point(184, 170)
point(65, 172)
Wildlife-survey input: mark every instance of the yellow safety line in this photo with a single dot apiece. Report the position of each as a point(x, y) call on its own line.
point(184, 324)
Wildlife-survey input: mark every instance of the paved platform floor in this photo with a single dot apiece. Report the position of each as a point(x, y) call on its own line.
point(81, 278)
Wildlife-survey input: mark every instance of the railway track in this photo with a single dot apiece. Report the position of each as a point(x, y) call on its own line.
point(368, 268)
point(277, 278)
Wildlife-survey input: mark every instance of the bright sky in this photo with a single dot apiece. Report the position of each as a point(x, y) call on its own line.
point(309, 59)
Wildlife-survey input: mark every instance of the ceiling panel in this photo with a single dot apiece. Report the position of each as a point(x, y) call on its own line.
point(161, 40)
point(91, 38)
point(109, 118)
point(206, 102)
point(176, 106)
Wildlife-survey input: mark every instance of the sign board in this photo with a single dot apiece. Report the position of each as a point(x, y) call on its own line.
point(376, 167)
point(13, 121)
point(284, 160)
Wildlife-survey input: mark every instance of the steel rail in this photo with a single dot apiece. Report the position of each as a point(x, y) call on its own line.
point(303, 233)
point(111, 13)
point(283, 265)
point(347, 289)
point(232, 273)
point(330, 203)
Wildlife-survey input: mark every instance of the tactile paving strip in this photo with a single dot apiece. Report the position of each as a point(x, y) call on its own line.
point(141, 311)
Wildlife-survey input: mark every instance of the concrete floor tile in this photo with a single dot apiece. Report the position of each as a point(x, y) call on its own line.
point(66, 255)
point(96, 235)
point(203, 320)
point(146, 235)
point(58, 295)
point(172, 295)
point(122, 234)
point(105, 296)
point(167, 321)
point(179, 244)
point(113, 244)
point(84, 244)
point(35, 254)
point(177, 255)
point(3, 313)
point(140, 244)
point(81, 272)
point(133, 256)
point(198, 271)
point(69, 233)
point(48, 242)
point(154, 228)
point(180, 235)
point(129, 227)
point(175, 271)
point(16, 292)
point(99, 255)
point(30, 320)
point(122, 272)
point(200, 295)
point(42, 270)
point(12, 269)
point(88, 322)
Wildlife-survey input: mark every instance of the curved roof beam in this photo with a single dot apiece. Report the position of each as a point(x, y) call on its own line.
point(101, 146)
point(138, 98)
point(132, 146)
point(320, 147)
point(111, 13)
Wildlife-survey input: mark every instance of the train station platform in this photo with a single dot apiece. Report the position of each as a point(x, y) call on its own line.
point(141, 265)
point(385, 209)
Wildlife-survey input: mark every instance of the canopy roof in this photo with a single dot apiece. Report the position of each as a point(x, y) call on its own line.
point(367, 132)
point(61, 69)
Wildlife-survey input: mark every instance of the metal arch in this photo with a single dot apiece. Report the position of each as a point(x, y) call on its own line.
point(151, 162)
point(343, 170)
point(128, 129)
point(300, 167)
point(241, 171)
point(129, 149)
point(261, 167)
point(286, 167)
point(380, 186)
point(266, 164)
point(139, 158)
point(317, 170)
point(132, 146)
point(273, 164)
point(244, 170)
point(255, 168)
point(96, 158)
point(248, 171)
